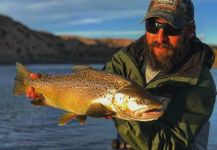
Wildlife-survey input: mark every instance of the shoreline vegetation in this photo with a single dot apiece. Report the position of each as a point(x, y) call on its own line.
point(20, 43)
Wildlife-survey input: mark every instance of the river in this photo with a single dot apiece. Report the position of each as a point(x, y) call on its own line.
point(26, 127)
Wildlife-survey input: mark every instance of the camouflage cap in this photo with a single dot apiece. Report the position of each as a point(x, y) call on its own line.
point(177, 12)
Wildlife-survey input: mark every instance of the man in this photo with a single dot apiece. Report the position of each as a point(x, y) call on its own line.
point(170, 61)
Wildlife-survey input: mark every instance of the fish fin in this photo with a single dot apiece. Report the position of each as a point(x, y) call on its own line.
point(66, 118)
point(99, 110)
point(77, 68)
point(21, 74)
point(82, 119)
point(39, 101)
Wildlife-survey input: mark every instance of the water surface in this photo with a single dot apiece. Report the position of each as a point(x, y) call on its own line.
point(26, 127)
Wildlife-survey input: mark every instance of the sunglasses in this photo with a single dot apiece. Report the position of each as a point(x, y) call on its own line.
point(153, 27)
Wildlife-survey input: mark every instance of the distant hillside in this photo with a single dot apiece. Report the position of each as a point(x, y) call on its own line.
point(215, 50)
point(19, 43)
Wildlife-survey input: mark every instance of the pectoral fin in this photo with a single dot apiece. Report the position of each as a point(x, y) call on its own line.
point(98, 110)
point(66, 118)
point(39, 100)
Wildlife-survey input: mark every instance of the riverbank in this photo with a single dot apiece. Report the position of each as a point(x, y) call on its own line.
point(22, 44)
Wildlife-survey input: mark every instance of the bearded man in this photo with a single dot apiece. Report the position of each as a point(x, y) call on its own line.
point(169, 61)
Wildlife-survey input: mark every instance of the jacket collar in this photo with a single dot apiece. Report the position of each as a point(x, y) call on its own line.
point(188, 73)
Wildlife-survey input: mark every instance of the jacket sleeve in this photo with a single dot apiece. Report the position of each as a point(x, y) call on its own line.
point(181, 122)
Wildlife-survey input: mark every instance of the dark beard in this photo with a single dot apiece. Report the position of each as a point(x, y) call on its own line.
point(172, 59)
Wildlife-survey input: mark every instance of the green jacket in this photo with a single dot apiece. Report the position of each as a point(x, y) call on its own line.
point(191, 88)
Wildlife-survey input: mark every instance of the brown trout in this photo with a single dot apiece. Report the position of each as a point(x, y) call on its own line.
point(88, 92)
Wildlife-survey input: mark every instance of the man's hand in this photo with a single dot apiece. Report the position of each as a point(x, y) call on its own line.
point(34, 76)
point(30, 92)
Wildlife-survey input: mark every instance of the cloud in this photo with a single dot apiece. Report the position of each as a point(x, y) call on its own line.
point(85, 21)
point(106, 16)
point(41, 6)
point(51, 7)
point(53, 13)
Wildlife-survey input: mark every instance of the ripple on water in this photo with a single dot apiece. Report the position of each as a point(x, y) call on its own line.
point(25, 127)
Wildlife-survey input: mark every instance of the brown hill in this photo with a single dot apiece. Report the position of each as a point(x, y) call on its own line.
point(215, 50)
point(19, 43)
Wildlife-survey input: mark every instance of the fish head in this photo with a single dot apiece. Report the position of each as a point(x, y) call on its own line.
point(134, 103)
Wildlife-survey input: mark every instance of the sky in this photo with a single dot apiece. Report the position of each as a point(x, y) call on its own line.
point(100, 18)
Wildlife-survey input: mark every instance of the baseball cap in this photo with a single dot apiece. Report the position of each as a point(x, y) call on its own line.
point(177, 12)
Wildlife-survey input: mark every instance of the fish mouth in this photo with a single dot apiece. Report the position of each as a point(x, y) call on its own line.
point(143, 114)
point(150, 113)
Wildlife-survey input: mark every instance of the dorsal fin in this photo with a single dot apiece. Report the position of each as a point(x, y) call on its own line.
point(76, 68)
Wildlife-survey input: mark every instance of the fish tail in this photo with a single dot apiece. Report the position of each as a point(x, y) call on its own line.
point(21, 74)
